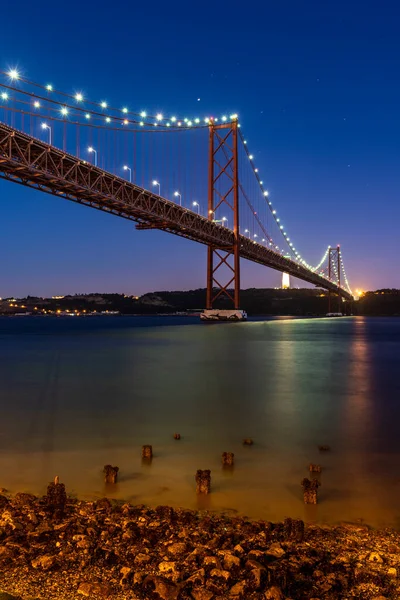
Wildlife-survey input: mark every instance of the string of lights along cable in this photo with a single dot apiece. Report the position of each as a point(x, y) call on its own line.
point(156, 150)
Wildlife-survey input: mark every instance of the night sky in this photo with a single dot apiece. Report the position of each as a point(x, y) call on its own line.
point(317, 89)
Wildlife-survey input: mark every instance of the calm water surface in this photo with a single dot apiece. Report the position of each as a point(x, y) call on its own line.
point(78, 394)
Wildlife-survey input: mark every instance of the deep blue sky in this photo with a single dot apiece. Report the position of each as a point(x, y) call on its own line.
point(318, 90)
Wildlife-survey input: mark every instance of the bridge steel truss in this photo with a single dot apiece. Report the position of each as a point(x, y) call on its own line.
point(33, 163)
point(223, 190)
point(334, 269)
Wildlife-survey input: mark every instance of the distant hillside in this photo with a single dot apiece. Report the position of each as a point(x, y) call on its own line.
point(255, 301)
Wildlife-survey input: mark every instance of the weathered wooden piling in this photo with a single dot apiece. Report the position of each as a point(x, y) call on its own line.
point(228, 459)
point(310, 488)
point(56, 498)
point(314, 468)
point(248, 442)
point(110, 474)
point(324, 448)
point(147, 451)
point(203, 481)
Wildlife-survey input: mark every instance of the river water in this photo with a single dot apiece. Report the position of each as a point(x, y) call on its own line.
point(77, 394)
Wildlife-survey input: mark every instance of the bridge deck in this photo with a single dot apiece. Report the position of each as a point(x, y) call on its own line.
point(30, 162)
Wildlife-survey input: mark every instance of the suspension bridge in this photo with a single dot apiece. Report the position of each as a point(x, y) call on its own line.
point(192, 177)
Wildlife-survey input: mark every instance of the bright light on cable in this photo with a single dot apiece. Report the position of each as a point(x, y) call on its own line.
point(103, 104)
point(78, 97)
point(64, 110)
point(13, 74)
point(159, 117)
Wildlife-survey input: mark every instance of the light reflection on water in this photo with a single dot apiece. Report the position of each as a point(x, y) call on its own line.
point(76, 396)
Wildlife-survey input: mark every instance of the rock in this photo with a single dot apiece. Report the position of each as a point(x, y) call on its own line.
point(6, 554)
point(88, 589)
point(167, 566)
point(197, 578)
point(23, 499)
point(177, 436)
point(203, 481)
point(176, 549)
point(248, 442)
point(239, 590)
point(231, 562)
point(238, 549)
point(392, 572)
point(202, 594)
point(45, 562)
point(126, 575)
point(147, 451)
point(220, 575)
point(375, 557)
point(212, 561)
point(256, 574)
point(5, 596)
point(4, 502)
point(157, 585)
point(141, 559)
point(110, 474)
point(275, 550)
point(274, 593)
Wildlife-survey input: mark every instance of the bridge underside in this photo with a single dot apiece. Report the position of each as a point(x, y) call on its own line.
point(30, 162)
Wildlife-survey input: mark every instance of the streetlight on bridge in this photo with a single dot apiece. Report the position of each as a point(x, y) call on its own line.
point(247, 231)
point(93, 151)
point(126, 168)
point(155, 182)
point(224, 220)
point(198, 207)
point(180, 197)
point(45, 126)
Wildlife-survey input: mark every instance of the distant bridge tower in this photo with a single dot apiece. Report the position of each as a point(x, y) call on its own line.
point(285, 281)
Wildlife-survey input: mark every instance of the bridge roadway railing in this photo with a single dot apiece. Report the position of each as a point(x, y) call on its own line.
point(31, 162)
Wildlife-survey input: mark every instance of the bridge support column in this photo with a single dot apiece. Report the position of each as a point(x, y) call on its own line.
point(223, 263)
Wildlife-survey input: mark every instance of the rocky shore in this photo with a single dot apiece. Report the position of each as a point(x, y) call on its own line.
point(106, 549)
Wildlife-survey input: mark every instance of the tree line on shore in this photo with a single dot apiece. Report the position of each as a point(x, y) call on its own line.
point(297, 302)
